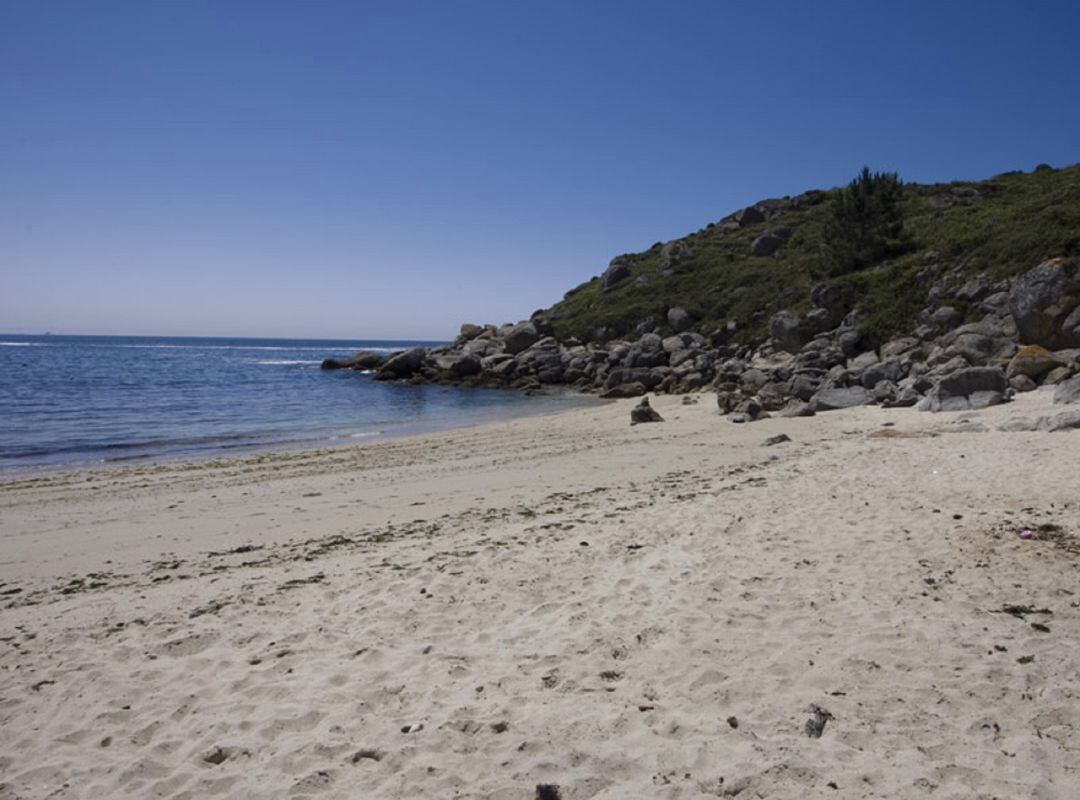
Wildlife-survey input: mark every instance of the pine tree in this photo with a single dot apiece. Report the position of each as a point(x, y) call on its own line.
point(867, 221)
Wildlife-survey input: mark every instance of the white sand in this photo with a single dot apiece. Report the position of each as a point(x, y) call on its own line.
point(646, 612)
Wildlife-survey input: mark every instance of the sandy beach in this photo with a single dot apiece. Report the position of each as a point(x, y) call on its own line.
point(672, 610)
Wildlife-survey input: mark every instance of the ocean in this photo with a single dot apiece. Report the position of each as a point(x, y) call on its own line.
point(86, 400)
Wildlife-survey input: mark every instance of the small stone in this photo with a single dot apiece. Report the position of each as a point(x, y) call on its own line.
point(815, 726)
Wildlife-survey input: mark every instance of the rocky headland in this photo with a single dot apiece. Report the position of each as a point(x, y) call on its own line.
point(948, 327)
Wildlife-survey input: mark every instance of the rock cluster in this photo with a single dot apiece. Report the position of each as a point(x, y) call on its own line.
point(976, 343)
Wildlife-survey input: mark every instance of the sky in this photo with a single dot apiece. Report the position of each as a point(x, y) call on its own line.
point(389, 170)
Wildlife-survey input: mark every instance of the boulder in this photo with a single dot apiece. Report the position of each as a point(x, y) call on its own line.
point(747, 410)
point(884, 392)
point(850, 341)
point(972, 388)
point(906, 396)
point(748, 216)
point(500, 366)
point(1056, 376)
point(946, 318)
point(891, 370)
point(651, 342)
point(973, 290)
point(630, 389)
point(766, 244)
point(365, 359)
point(647, 325)
point(642, 357)
point(804, 385)
point(785, 328)
point(1069, 420)
point(459, 365)
point(673, 344)
point(1032, 361)
point(1068, 391)
point(1042, 302)
point(1022, 383)
point(470, 331)
point(820, 319)
point(835, 397)
point(679, 319)
point(753, 379)
point(643, 412)
point(402, 365)
point(797, 408)
point(520, 337)
point(481, 346)
point(618, 270)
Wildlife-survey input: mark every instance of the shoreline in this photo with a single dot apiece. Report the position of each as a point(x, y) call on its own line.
point(393, 429)
point(563, 600)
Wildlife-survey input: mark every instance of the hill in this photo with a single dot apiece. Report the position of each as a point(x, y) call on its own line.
point(950, 296)
point(998, 228)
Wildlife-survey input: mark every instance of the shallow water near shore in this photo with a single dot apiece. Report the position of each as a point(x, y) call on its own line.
point(83, 400)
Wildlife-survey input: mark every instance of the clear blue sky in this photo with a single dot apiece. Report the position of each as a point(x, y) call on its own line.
point(357, 169)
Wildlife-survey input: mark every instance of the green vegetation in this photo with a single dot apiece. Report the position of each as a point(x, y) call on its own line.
point(866, 222)
point(1001, 227)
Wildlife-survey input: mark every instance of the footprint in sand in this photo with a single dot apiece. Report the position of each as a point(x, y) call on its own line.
point(187, 645)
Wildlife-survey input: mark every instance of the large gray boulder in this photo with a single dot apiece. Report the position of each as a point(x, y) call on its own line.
point(748, 216)
point(891, 370)
point(1044, 300)
point(1068, 391)
point(946, 318)
point(1067, 421)
point(786, 330)
point(835, 397)
point(520, 337)
point(470, 331)
point(459, 365)
point(402, 365)
point(972, 388)
point(766, 244)
point(618, 270)
point(679, 319)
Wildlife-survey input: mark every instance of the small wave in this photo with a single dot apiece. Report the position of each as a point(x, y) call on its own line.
point(19, 344)
point(286, 362)
point(332, 349)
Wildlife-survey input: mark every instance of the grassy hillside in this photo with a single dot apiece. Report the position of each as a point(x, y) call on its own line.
point(1000, 227)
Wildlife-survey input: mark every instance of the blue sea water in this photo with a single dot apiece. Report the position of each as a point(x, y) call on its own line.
point(79, 400)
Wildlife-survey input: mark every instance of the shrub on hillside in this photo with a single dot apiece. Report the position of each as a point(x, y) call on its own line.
point(866, 222)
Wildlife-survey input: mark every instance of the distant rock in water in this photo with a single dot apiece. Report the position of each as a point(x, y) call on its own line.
point(402, 365)
point(365, 359)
